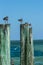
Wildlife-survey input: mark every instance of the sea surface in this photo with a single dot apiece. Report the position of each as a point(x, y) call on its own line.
point(38, 52)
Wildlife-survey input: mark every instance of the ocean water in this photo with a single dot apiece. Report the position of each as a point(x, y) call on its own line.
point(38, 52)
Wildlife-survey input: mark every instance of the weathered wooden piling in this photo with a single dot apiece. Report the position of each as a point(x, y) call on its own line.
point(26, 44)
point(4, 44)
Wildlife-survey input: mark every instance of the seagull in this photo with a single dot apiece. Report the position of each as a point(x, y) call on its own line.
point(6, 19)
point(20, 20)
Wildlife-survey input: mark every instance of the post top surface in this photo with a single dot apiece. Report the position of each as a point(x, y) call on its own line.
point(27, 24)
point(4, 24)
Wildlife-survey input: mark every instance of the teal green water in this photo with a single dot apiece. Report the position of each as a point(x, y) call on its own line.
point(38, 52)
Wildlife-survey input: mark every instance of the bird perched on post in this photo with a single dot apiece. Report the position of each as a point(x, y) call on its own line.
point(20, 20)
point(6, 22)
point(5, 19)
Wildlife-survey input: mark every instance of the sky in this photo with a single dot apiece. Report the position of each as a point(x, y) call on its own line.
point(30, 10)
